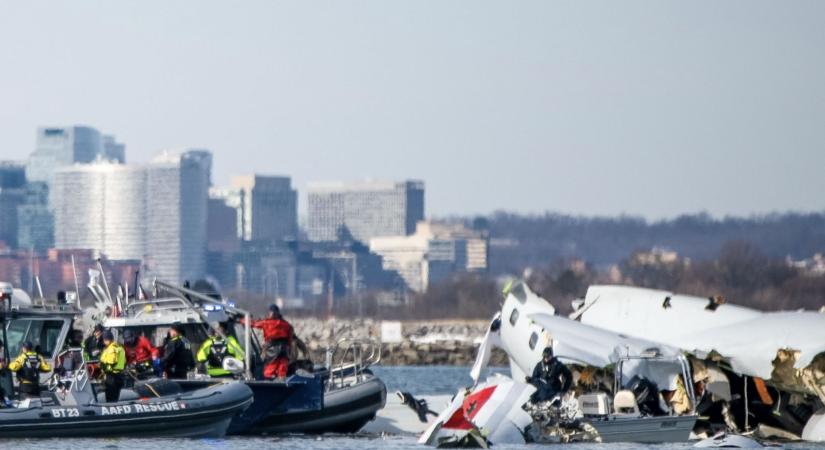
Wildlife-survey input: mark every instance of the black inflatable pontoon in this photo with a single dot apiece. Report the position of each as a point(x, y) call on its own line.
point(204, 412)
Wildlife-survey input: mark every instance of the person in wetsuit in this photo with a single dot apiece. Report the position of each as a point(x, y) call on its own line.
point(550, 377)
point(177, 358)
point(93, 345)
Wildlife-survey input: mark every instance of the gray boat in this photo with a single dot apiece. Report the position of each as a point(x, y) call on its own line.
point(71, 406)
point(643, 429)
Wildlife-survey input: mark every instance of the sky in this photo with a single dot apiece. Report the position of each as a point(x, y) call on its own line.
point(650, 108)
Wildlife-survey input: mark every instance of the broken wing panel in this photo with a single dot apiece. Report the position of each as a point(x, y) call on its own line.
point(580, 343)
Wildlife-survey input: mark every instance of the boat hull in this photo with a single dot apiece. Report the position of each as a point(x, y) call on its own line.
point(202, 413)
point(644, 429)
point(345, 410)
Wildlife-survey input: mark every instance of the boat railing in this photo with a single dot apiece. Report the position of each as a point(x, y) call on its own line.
point(348, 359)
point(74, 386)
point(138, 308)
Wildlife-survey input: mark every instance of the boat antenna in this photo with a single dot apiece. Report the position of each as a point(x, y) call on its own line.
point(39, 287)
point(76, 284)
point(105, 283)
point(137, 284)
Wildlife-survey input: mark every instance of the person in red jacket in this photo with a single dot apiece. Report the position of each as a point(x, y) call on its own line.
point(278, 336)
point(139, 354)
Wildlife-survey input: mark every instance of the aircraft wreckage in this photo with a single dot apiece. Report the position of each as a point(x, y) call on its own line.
point(647, 366)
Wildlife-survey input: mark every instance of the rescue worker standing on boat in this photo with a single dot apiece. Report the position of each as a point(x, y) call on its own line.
point(177, 357)
point(278, 335)
point(550, 377)
point(93, 345)
point(28, 365)
point(139, 354)
point(112, 362)
point(217, 347)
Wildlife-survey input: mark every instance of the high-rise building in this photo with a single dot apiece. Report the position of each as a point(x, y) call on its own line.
point(177, 193)
point(112, 150)
point(222, 224)
point(268, 208)
point(12, 175)
point(12, 195)
point(35, 222)
point(100, 206)
point(364, 210)
point(62, 146)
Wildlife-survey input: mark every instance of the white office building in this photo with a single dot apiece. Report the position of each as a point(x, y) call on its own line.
point(155, 213)
point(432, 253)
point(364, 210)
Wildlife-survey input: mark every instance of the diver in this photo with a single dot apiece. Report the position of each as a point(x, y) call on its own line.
point(279, 336)
point(93, 345)
point(28, 365)
point(177, 357)
point(217, 347)
point(139, 355)
point(112, 362)
point(550, 377)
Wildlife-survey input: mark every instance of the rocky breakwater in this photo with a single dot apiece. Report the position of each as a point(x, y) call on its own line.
point(447, 342)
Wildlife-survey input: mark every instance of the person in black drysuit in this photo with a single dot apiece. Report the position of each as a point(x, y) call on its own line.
point(177, 358)
point(93, 345)
point(550, 377)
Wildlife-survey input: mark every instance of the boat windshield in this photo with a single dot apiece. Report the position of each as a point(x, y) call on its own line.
point(43, 333)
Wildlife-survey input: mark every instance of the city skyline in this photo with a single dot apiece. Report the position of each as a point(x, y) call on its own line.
point(493, 107)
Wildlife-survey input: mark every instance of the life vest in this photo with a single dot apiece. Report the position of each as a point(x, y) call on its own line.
point(217, 352)
point(30, 372)
point(113, 359)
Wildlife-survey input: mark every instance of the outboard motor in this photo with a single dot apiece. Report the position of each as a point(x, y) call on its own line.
point(647, 396)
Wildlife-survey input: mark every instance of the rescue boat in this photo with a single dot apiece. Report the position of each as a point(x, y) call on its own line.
point(73, 411)
point(339, 396)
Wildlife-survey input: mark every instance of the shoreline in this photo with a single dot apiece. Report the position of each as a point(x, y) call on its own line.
point(403, 343)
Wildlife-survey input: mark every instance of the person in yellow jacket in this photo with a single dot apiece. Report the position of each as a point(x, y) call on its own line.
point(28, 365)
point(112, 362)
point(217, 347)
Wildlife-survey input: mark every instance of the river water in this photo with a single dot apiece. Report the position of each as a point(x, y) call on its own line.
point(417, 380)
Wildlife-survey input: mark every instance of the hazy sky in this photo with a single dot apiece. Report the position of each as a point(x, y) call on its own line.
point(653, 108)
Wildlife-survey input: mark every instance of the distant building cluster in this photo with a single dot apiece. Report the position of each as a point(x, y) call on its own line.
point(76, 197)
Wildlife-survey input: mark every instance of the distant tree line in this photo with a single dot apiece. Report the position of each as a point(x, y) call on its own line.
point(520, 241)
point(741, 259)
